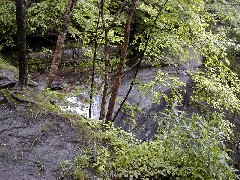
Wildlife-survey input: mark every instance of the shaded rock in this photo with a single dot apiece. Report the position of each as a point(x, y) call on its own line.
point(41, 82)
point(8, 74)
point(145, 125)
point(8, 78)
point(4, 83)
point(57, 85)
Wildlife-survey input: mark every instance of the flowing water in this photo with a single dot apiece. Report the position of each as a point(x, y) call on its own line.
point(80, 104)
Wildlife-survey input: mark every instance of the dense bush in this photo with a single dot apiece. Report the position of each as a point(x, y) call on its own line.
point(184, 148)
point(7, 23)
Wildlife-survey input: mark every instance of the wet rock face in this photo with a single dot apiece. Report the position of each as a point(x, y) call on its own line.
point(145, 124)
point(32, 146)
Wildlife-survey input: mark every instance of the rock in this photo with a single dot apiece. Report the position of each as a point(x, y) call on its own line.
point(41, 82)
point(8, 78)
point(41, 85)
point(6, 83)
point(32, 83)
point(145, 125)
point(8, 74)
point(57, 85)
point(1, 98)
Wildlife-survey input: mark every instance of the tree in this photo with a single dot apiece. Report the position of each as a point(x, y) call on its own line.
point(139, 61)
point(94, 65)
point(123, 54)
point(106, 30)
point(106, 62)
point(21, 42)
point(8, 23)
point(60, 43)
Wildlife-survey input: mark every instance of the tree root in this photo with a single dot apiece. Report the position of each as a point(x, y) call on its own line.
point(14, 95)
point(11, 98)
point(7, 83)
point(7, 99)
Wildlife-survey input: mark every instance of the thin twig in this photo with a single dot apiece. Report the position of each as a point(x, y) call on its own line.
point(93, 66)
point(119, 12)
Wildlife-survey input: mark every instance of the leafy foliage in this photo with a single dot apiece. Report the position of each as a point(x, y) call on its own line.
point(46, 17)
point(226, 17)
point(7, 23)
point(219, 87)
point(185, 147)
point(179, 24)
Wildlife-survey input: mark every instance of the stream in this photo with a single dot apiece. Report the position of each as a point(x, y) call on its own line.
point(77, 105)
point(143, 102)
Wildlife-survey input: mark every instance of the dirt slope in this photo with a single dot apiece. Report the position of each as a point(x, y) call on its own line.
point(32, 146)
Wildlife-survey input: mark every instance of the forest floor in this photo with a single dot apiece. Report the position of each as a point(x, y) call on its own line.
point(34, 143)
point(32, 146)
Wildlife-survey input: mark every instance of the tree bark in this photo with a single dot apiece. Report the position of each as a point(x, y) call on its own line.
point(106, 55)
point(106, 62)
point(123, 54)
point(60, 43)
point(140, 61)
point(106, 76)
point(93, 67)
point(21, 42)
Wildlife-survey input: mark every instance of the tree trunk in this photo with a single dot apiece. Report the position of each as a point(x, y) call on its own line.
point(123, 54)
point(21, 42)
point(140, 61)
point(106, 77)
point(106, 55)
point(60, 43)
point(106, 62)
point(93, 66)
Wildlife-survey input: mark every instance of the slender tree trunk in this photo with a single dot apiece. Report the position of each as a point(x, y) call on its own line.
point(60, 43)
point(21, 42)
point(106, 77)
point(123, 54)
point(140, 61)
point(93, 67)
point(106, 55)
point(106, 64)
point(130, 88)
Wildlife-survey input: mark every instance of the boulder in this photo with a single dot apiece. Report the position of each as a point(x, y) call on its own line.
point(8, 74)
point(7, 78)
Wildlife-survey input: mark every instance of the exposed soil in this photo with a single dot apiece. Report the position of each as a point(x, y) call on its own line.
point(33, 145)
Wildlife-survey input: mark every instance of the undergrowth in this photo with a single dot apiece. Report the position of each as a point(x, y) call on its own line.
point(185, 147)
point(5, 65)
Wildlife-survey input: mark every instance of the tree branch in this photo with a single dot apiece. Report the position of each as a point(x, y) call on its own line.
point(139, 62)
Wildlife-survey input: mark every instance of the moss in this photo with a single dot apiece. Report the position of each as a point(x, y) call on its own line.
point(37, 64)
point(5, 65)
point(45, 128)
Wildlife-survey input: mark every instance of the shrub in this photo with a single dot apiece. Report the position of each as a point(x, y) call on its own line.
point(184, 148)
